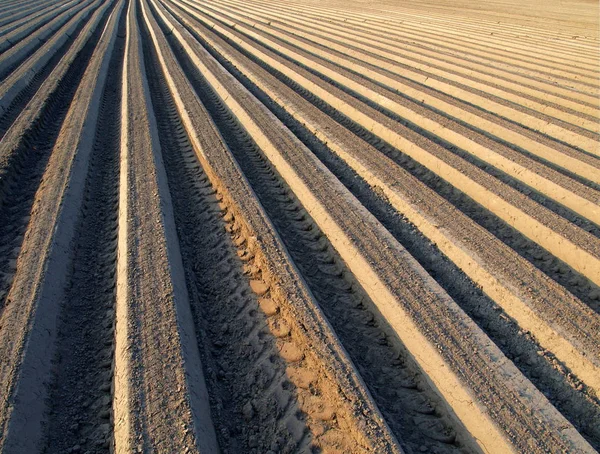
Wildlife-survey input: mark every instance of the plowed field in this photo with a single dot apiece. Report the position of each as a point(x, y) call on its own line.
point(299, 227)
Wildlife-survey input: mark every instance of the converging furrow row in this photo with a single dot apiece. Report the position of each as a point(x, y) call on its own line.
point(238, 227)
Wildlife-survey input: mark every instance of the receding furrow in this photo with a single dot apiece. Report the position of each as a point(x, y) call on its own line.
point(449, 104)
point(9, 11)
point(589, 192)
point(425, 42)
point(10, 8)
point(472, 129)
point(246, 363)
point(258, 358)
point(412, 33)
point(80, 399)
point(160, 399)
point(487, 191)
point(411, 82)
point(413, 416)
point(388, 27)
point(571, 198)
point(578, 285)
point(246, 374)
point(359, 50)
point(564, 115)
point(19, 80)
point(410, 412)
point(24, 168)
point(548, 374)
point(12, 111)
point(337, 214)
point(491, 34)
point(471, 71)
point(320, 226)
point(28, 28)
point(263, 323)
point(30, 315)
point(552, 266)
point(40, 11)
point(544, 370)
point(26, 47)
point(565, 390)
point(16, 14)
point(524, 36)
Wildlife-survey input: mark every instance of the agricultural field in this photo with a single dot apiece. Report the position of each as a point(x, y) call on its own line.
point(300, 226)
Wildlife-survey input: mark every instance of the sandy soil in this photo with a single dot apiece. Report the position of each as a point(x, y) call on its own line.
point(299, 227)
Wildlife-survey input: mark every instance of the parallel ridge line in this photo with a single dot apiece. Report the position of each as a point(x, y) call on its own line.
point(160, 398)
point(461, 240)
point(227, 177)
point(475, 26)
point(384, 27)
point(11, 38)
point(551, 183)
point(26, 47)
point(26, 72)
point(572, 131)
point(460, 69)
point(445, 103)
point(13, 8)
point(535, 34)
point(336, 214)
point(29, 320)
point(18, 15)
point(567, 242)
point(432, 46)
point(548, 50)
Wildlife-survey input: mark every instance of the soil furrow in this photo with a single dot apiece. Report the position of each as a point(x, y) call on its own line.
point(13, 110)
point(416, 79)
point(573, 112)
point(460, 28)
point(231, 94)
point(533, 218)
point(413, 418)
point(274, 311)
point(439, 46)
point(453, 134)
point(471, 71)
point(527, 117)
point(31, 26)
point(540, 258)
point(19, 53)
point(500, 106)
point(80, 411)
point(24, 169)
point(160, 400)
point(30, 313)
point(27, 46)
point(18, 13)
point(321, 226)
point(247, 365)
point(380, 28)
point(494, 220)
point(417, 39)
point(544, 370)
point(349, 38)
point(526, 36)
point(24, 74)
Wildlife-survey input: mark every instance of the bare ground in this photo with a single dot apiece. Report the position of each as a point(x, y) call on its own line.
point(304, 227)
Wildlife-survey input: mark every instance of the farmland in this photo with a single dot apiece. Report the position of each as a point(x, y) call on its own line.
point(299, 227)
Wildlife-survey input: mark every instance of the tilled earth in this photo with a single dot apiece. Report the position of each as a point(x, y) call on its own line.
point(302, 227)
